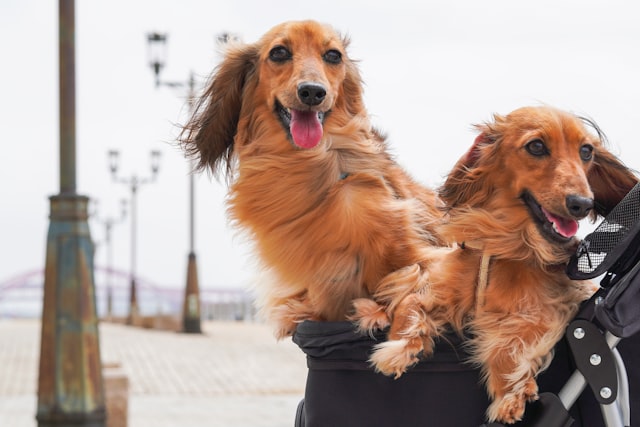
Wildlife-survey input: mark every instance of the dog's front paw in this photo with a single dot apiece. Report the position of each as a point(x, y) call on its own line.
point(284, 329)
point(287, 317)
point(394, 357)
point(510, 408)
point(369, 315)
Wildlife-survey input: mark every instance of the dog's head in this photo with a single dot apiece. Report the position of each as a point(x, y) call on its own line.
point(543, 165)
point(284, 89)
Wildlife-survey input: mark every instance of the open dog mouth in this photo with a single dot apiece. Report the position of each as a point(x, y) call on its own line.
point(303, 127)
point(552, 226)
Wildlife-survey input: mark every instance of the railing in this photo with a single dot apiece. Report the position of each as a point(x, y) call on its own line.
point(21, 296)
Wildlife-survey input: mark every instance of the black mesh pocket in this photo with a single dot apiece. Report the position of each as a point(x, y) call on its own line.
point(614, 246)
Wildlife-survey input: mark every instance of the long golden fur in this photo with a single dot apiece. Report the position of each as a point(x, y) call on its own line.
point(513, 201)
point(331, 213)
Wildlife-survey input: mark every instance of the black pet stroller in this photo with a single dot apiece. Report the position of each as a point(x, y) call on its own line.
point(444, 391)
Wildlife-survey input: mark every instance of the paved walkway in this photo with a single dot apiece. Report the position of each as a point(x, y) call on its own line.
point(234, 374)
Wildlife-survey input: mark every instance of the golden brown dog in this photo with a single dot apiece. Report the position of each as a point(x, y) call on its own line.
point(513, 202)
point(330, 212)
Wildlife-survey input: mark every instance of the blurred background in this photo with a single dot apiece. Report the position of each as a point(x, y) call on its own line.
point(431, 69)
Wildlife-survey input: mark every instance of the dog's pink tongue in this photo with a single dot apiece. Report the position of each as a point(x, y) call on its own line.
point(564, 226)
point(305, 128)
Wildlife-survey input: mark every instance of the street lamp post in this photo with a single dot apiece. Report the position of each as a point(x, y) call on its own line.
point(134, 182)
point(191, 304)
point(70, 381)
point(108, 223)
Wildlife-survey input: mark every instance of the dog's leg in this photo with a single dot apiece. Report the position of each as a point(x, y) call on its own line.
point(510, 363)
point(287, 315)
point(376, 313)
point(403, 300)
point(369, 315)
point(414, 326)
point(404, 343)
point(509, 397)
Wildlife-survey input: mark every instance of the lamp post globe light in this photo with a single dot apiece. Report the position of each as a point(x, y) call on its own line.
point(134, 182)
point(191, 303)
point(157, 44)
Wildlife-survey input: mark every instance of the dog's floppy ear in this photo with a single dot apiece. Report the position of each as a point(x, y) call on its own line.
point(465, 184)
point(208, 136)
point(610, 180)
point(352, 86)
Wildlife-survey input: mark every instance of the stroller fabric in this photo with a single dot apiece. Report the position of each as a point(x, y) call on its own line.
point(442, 391)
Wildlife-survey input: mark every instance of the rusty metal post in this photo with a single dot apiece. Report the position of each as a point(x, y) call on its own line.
point(191, 305)
point(70, 382)
point(67, 101)
point(134, 311)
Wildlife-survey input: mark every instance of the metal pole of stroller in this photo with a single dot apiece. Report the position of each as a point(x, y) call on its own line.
point(612, 413)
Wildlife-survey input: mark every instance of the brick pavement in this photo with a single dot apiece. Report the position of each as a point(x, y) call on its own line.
point(234, 374)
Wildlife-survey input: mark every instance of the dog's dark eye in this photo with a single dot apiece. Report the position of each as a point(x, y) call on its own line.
point(279, 54)
point(537, 148)
point(586, 152)
point(332, 56)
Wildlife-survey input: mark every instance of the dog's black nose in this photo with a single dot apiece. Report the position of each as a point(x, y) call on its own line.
point(579, 206)
point(311, 93)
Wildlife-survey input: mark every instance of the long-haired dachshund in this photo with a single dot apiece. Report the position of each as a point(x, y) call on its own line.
point(513, 202)
point(331, 213)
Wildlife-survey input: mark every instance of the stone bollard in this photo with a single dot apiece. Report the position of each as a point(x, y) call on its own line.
point(166, 322)
point(116, 394)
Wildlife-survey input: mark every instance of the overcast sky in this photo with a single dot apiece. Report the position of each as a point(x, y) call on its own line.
point(431, 68)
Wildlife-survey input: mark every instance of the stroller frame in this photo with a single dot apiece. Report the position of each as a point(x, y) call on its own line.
point(616, 413)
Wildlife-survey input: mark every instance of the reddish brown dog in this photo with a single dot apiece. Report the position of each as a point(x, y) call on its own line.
point(312, 184)
point(513, 203)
